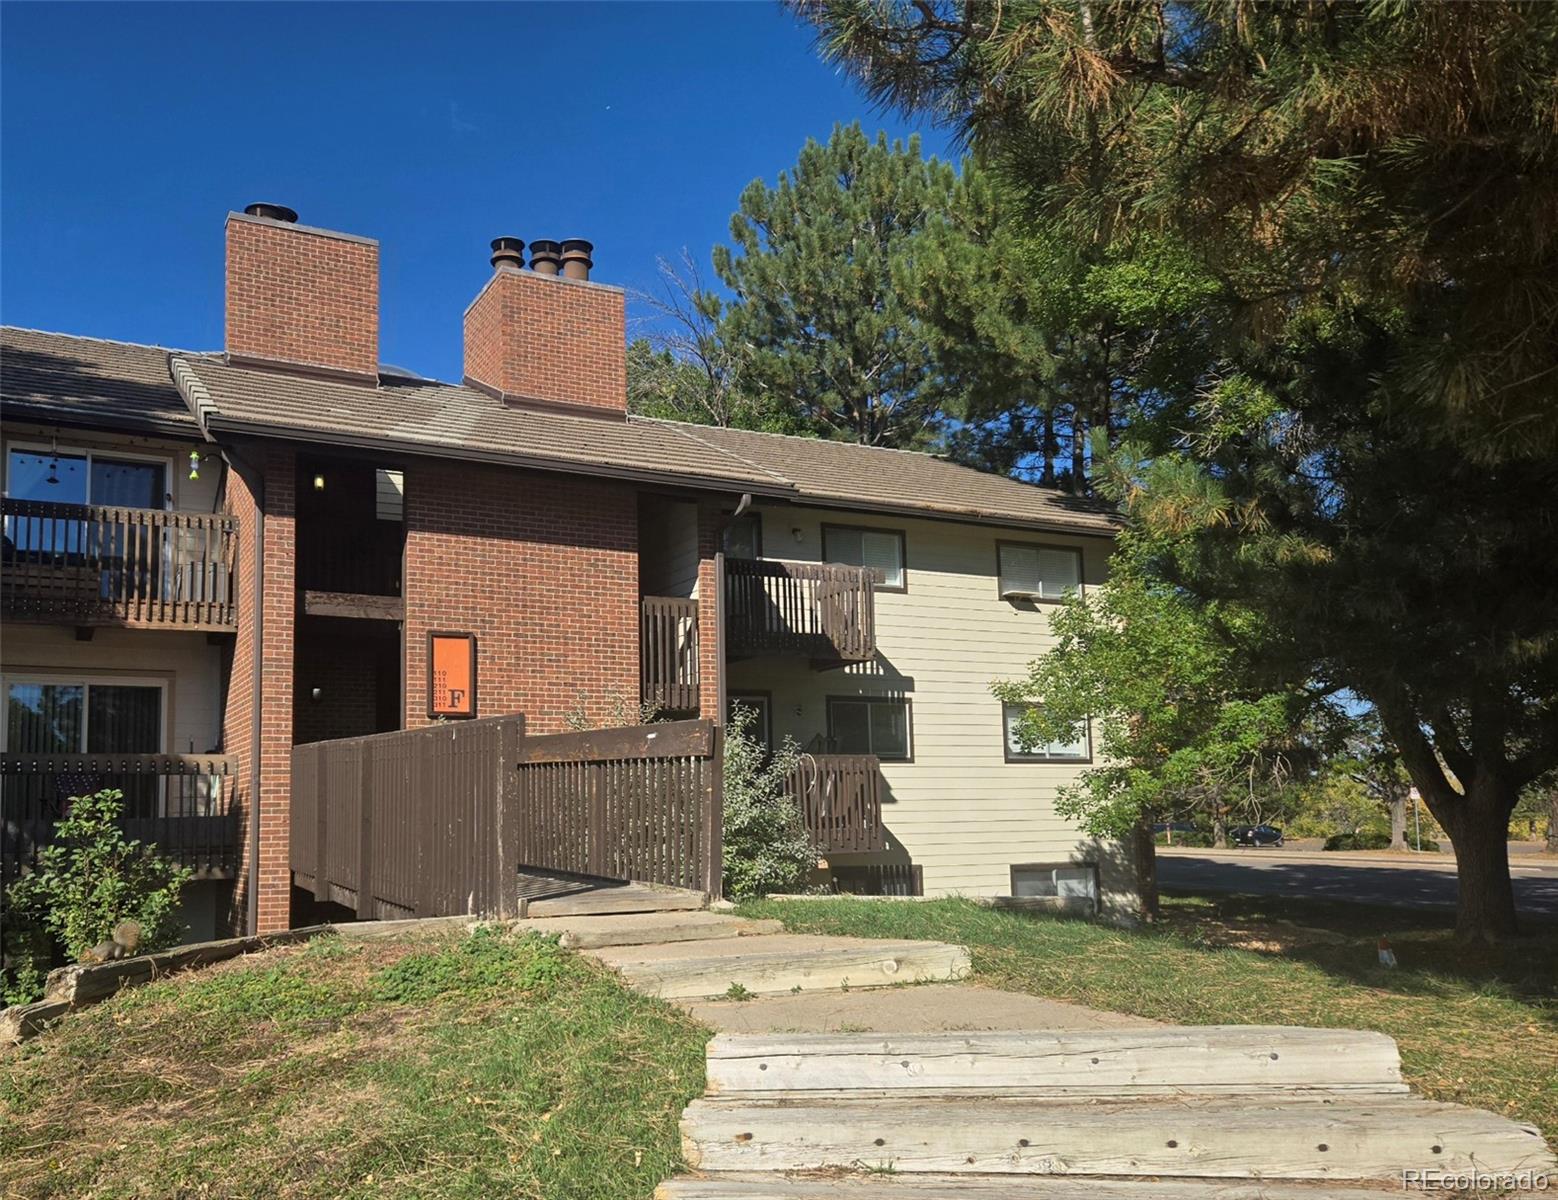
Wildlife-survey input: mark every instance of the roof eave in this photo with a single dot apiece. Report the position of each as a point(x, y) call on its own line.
point(13, 410)
point(216, 422)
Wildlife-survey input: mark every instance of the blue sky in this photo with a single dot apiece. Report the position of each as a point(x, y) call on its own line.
point(130, 130)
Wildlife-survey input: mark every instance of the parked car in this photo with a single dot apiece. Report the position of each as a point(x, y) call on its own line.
point(1254, 835)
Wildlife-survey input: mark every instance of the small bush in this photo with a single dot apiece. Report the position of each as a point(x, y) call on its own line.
point(88, 880)
point(1369, 839)
point(766, 847)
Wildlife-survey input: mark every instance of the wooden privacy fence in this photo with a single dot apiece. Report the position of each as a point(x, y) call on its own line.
point(89, 564)
point(822, 610)
point(442, 821)
point(668, 652)
point(643, 802)
point(841, 801)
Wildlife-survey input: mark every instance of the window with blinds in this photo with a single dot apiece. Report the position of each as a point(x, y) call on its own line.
point(1038, 572)
point(876, 725)
point(880, 549)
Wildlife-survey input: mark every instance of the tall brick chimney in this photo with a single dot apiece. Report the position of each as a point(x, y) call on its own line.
point(301, 297)
point(538, 338)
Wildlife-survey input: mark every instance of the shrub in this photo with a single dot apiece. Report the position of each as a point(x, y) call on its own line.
point(88, 880)
point(1369, 839)
point(766, 847)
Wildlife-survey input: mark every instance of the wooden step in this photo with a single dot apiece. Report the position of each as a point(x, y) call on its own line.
point(1203, 1060)
point(648, 928)
point(628, 898)
point(1298, 1137)
point(781, 963)
point(761, 1185)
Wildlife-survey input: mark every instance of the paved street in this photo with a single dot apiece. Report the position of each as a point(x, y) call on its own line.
point(1267, 873)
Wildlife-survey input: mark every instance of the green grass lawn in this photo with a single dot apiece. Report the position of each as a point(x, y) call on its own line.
point(444, 1067)
point(1478, 1029)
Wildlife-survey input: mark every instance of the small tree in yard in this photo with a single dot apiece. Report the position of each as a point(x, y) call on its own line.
point(766, 848)
point(92, 877)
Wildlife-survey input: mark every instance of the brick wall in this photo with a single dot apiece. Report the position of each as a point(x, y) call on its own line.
point(549, 339)
point(710, 700)
point(302, 296)
point(543, 569)
point(347, 671)
point(268, 478)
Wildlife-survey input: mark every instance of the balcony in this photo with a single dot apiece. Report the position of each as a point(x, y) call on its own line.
point(181, 802)
point(821, 611)
point(89, 564)
point(841, 801)
point(668, 652)
point(351, 568)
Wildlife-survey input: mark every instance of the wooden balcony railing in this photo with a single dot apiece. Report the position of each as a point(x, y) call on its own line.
point(668, 652)
point(89, 564)
point(841, 801)
point(181, 802)
point(823, 611)
point(363, 559)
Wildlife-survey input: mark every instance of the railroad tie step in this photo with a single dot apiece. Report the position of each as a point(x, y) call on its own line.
point(745, 1185)
point(779, 963)
point(1175, 1060)
point(1338, 1137)
point(596, 931)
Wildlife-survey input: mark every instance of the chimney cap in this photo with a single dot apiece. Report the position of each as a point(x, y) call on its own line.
point(273, 212)
point(576, 258)
point(508, 251)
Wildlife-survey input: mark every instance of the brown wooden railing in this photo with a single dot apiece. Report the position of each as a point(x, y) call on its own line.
point(841, 801)
point(442, 821)
point(641, 803)
point(181, 802)
point(416, 823)
point(87, 564)
point(821, 610)
point(668, 652)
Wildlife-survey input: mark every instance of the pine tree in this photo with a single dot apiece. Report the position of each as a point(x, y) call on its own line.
point(821, 270)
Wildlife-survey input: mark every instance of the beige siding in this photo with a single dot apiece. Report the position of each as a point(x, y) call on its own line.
point(958, 808)
point(186, 664)
point(668, 560)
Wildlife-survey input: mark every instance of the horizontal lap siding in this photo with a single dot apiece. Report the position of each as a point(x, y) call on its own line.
point(958, 809)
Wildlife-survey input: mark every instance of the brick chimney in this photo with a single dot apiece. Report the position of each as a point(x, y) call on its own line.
point(541, 339)
point(301, 297)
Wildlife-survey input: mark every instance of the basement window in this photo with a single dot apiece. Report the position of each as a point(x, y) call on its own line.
point(1074, 882)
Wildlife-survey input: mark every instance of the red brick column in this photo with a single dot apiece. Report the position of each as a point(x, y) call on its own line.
point(711, 701)
point(261, 493)
point(274, 910)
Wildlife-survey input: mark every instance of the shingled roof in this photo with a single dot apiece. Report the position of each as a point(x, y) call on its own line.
point(85, 381)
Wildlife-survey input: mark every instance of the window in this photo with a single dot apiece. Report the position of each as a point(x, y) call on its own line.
point(81, 716)
point(757, 703)
point(744, 537)
point(881, 549)
point(85, 477)
point(1078, 749)
point(1066, 882)
point(876, 725)
point(1038, 572)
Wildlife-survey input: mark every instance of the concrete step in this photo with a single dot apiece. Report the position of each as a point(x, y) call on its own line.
point(1343, 1137)
point(1199, 1060)
point(758, 1185)
point(781, 963)
point(627, 898)
point(646, 928)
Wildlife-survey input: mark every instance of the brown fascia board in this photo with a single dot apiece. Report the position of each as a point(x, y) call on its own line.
point(216, 423)
point(41, 414)
point(957, 516)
